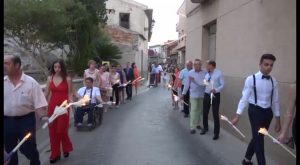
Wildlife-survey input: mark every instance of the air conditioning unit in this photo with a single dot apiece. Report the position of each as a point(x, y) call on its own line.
point(199, 1)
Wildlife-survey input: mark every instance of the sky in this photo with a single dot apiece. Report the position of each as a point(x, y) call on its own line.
point(166, 18)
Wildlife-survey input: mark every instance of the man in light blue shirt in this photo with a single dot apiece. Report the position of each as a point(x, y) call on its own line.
point(195, 82)
point(183, 76)
point(215, 80)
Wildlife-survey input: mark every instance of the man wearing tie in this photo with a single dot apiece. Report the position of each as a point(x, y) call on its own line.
point(215, 80)
point(261, 93)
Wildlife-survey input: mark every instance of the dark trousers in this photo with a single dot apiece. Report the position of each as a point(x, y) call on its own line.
point(186, 99)
point(215, 110)
point(80, 113)
point(116, 93)
point(259, 118)
point(129, 91)
point(16, 128)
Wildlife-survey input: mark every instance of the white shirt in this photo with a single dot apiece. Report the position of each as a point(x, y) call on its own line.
point(197, 86)
point(216, 81)
point(23, 98)
point(263, 92)
point(95, 93)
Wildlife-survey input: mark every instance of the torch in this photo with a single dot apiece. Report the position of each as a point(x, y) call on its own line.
point(226, 119)
point(9, 155)
point(265, 132)
point(62, 109)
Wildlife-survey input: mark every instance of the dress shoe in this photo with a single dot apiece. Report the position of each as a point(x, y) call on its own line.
point(52, 161)
point(203, 132)
point(193, 131)
point(66, 154)
point(216, 137)
point(199, 127)
point(186, 115)
point(247, 163)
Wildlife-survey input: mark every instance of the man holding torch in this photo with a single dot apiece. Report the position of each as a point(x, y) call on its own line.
point(261, 93)
point(23, 97)
point(212, 97)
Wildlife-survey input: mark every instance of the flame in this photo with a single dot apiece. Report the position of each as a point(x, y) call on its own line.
point(65, 103)
point(85, 99)
point(28, 135)
point(223, 117)
point(263, 131)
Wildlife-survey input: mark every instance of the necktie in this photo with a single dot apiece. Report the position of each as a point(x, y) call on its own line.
point(266, 77)
point(209, 78)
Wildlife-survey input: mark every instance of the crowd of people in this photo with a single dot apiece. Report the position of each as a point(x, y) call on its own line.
point(24, 98)
point(196, 90)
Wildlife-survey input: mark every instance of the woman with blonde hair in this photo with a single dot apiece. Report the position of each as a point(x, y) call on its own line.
point(92, 72)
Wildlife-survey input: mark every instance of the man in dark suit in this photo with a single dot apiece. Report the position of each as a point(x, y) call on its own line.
point(129, 77)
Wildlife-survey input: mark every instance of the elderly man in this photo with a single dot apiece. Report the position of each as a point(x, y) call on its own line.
point(183, 76)
point(23, 97)
point(196, 85)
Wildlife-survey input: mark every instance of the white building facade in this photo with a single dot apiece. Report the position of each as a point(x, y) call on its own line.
point(235, 33)
point(133, 18)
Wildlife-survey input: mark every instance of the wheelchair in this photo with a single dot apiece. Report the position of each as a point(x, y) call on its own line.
point(97, 116)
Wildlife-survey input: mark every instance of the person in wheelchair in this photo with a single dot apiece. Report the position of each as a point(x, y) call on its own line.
point(94, 93)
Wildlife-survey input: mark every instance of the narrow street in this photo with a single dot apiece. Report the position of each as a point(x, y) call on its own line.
point(147, 131)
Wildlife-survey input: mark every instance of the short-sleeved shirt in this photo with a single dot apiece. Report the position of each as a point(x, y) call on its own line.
point(84, 91)
point(23, 98)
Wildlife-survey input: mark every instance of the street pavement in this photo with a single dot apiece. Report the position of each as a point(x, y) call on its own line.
point(146, 131)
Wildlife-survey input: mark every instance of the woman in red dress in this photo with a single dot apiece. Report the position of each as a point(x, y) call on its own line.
point(58, 90)
point(135, 76)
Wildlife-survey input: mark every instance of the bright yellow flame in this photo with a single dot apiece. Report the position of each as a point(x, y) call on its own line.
point(85, 99)
point(263, 131)
point(28, 135)
point(65, 103)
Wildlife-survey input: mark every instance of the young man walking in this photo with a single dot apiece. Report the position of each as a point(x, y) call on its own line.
point(260, 92)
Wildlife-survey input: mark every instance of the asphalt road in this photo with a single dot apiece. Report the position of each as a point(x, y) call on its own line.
point(147, 131)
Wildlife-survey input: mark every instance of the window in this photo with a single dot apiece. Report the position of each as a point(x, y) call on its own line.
point(124, 20)
point(209, 41)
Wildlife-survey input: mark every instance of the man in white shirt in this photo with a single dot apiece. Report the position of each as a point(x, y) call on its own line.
point(23, 97)
point(261, 93)
point(95, 98)
point(196, 86)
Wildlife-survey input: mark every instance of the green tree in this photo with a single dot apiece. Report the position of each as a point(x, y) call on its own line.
point(44, 25)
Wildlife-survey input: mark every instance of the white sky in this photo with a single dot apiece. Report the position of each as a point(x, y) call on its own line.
point(165, 16)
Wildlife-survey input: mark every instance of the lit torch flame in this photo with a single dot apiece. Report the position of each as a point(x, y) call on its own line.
point(28, 135)
point(265, 132)
point(21, 142)
point(226, 119)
